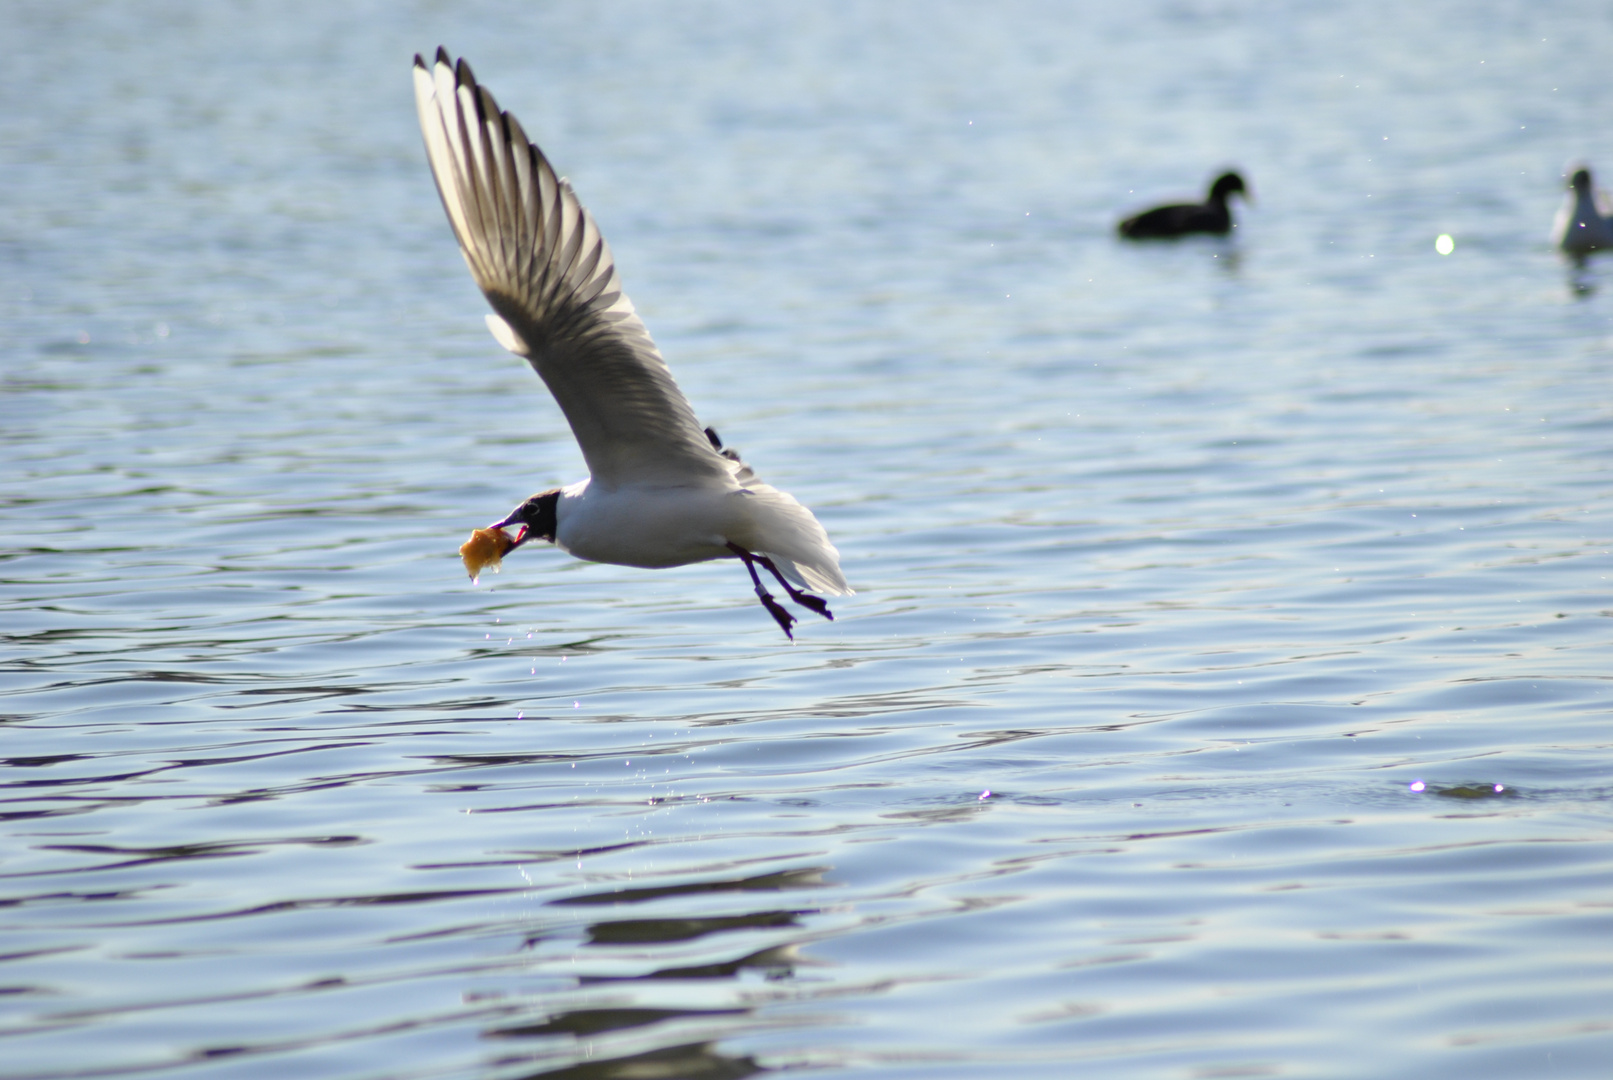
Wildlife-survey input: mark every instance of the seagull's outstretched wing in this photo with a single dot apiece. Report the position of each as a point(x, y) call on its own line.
point(539, 258)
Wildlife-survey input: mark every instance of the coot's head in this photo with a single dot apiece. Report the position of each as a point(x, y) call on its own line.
point(1225, 185)
point(1581, 181)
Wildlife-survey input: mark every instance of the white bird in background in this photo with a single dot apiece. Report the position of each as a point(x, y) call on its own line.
point(661, 490)
point(1585, 222)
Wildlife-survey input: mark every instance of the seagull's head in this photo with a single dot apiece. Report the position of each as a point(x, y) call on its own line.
point(536, 517)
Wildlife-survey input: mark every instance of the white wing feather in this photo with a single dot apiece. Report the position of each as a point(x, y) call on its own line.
point(536, 253)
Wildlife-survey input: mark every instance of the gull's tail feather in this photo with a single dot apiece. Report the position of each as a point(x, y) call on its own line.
point(823, 577)
point(787, 533)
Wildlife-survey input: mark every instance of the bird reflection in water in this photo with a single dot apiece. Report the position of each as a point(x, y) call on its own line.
point(1581, 285)
point(623, 1026)
point(1229, 260)
point(695, 1061)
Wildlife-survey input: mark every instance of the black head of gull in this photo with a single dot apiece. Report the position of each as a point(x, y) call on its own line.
point(1181, 219)
point(536, 516)
point(661, 489)
point(1584, 223)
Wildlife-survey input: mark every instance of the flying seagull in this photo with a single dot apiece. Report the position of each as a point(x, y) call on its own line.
point(661, 489)
point(1210, 216)
point(1585, 222)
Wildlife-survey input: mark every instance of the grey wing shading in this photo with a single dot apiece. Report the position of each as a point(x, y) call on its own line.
point(536, 253)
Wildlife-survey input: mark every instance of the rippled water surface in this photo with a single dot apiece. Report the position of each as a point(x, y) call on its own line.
point(1227, 689)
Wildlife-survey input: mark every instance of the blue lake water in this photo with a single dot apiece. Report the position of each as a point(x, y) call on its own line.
point(1228, 691)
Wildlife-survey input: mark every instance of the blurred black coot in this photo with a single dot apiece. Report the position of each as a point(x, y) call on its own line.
point(1181, 219)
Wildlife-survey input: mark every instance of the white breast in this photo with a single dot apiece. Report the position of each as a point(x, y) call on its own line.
point(645, 526)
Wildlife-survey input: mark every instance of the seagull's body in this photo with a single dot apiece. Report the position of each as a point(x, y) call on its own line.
point(658, 527)
point(661, 489)
point(1182, 219)
point(1585, 222)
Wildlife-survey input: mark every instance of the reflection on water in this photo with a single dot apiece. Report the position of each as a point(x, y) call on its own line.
point(1581, 283)
point(1225, 693)
point(698, 1061)
point(645, 931)
point(595, 1021)
point(771, 882)
point(605, 1033)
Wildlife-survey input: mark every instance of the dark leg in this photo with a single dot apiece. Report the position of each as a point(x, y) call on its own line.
point(784, 619)
point(806, 600)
